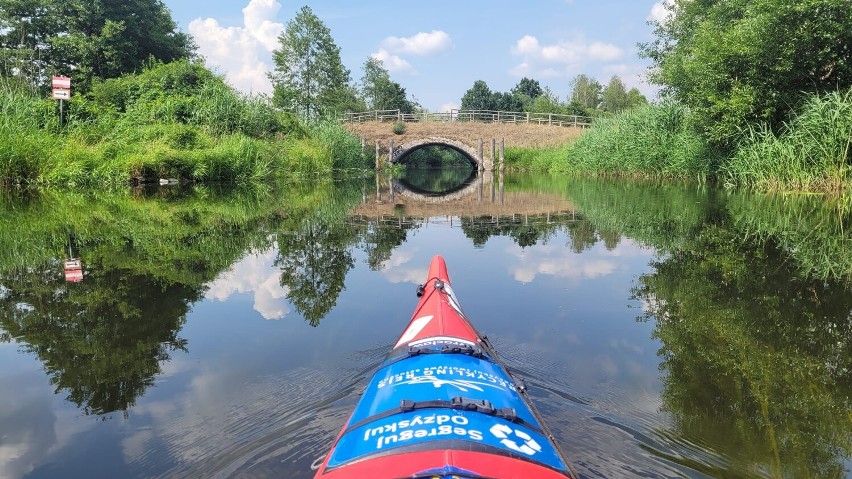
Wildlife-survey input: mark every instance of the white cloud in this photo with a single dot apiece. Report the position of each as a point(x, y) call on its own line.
point(258, 16)
point(254, 274)
point(420, 44)
point(561, 262)
point(243, 53)
point(659, 12)
point(395, 269)
point(604, 52)
point(393, 62)
point(522, 70)
point(527, 45)
point(561, 59)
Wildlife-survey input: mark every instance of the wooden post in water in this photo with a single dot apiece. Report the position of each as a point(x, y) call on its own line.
point(378, 155)
point(502, 152)
point(493, 152)
point(390, 153)
point(482, 160)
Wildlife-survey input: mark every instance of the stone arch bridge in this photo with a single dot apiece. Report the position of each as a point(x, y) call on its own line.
point(474, 153)
point(482, 143)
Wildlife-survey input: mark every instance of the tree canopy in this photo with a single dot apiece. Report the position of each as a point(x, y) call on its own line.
point(742, 62)
point(380, 92)
point(309, 77)
point(91, 39)
point(478, 97)
point(587, 97)
point(585, 91)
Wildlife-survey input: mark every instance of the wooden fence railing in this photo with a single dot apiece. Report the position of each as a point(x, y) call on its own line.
point(483, 116)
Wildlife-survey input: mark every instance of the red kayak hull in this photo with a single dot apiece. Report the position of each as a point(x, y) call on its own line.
point(442, 405)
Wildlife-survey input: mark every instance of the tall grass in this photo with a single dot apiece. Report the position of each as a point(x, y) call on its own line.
point(176, 120)
point(812, 152)
point(529, 159)
point(343, 147)
point(26, 133)
point(653, 141)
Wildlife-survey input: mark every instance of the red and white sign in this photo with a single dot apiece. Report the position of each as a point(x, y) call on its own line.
point(61, 93)
point(62, 82)
point(73, 270)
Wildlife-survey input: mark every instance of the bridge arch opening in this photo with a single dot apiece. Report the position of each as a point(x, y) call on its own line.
point(402, 153)
point(436, 182)
point(437, 155)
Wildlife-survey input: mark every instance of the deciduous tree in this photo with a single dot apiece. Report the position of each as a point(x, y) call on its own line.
point(586, 91)
point(380, 92)
point(741, 62)
point(478, 97)
point(87, 39)
point(614, 97)
point(309, 77)
point(526, 91)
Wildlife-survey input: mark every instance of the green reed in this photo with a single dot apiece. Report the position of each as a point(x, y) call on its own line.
point(23, 146)
point(653, 141)
point(811, 152)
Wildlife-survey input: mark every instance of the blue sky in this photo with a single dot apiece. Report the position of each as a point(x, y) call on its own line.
point(436, 49)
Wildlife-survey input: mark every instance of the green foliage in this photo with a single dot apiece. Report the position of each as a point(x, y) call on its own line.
point(147, 258)
point(812, 152)
point(309, 77)
point(547, 102)
point(733, 64)
point(614, 97)
point(529, 159)
point(380, 92)
point(528, 89)
point(398, 128)
point(176, 120)
point(88, 40)
point(756, 358)
point(436, 156)
point(650, 141)
point(478, 97)
point(343, 148)
point(586, 92)
point(24, 148)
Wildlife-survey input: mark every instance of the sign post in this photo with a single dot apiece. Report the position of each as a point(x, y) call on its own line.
point(61, 91)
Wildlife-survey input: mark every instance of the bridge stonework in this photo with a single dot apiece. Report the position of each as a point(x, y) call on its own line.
point(474, 154)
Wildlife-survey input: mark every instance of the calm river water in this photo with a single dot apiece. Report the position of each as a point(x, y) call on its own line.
point(664, 330)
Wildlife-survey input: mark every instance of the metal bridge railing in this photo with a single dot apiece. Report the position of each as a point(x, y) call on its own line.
point(482, 116)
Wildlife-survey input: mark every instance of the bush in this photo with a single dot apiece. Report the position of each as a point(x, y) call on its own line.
point(398, 128)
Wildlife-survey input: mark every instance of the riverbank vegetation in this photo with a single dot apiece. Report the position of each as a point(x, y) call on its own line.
point(741, 104)
point(171, 121)
point(156, 113)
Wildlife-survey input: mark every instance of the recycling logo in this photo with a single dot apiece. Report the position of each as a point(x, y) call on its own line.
point(508, 437)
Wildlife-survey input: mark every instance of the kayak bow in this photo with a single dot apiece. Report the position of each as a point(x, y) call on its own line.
point(442, 405)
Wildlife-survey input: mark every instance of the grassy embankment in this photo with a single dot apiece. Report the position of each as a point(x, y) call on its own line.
point(647, 142)
point(176, 120)
point(811, 153)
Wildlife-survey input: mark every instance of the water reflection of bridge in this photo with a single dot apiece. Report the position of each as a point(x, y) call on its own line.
point(484, 201)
